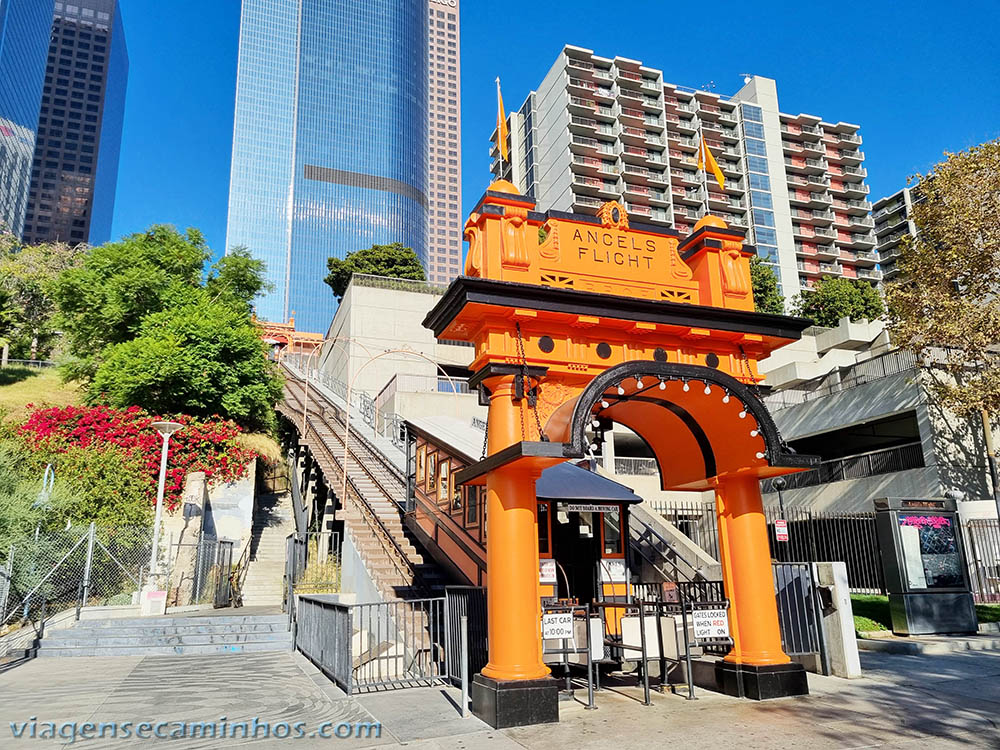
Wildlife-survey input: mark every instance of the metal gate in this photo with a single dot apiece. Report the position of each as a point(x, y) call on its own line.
point(224, 564)
point(471, 602)
point(800, 612)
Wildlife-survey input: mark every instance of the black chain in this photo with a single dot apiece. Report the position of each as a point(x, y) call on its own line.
point(753, 380)
point(486, 437)
point(526, 379)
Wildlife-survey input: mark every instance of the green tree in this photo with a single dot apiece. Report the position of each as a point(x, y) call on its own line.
point(944, 304)
point(104, 300)
point(27, 307)
point(835, 298)
point(202, 358)
point(238, 277)
point(766, 297)
point(394, 261)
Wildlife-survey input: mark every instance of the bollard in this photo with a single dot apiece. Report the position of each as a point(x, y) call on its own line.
point(464, 625)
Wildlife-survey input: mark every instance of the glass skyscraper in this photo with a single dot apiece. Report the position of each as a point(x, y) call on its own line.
point(329, 141)
point(75, 170)
point(24, 43)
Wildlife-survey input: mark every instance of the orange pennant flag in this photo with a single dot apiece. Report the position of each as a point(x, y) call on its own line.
point(707, 162)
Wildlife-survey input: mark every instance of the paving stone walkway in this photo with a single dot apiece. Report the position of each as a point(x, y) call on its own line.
point(910, 702)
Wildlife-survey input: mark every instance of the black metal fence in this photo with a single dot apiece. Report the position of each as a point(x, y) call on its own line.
point(312, 562)
point(814, 536)
point(885, 461)
point(469, 601)
point(372, 647)
point(799, 611)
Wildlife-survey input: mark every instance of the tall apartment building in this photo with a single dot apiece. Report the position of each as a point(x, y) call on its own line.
point(444, 141)
point(75, 168)
point(893, 217)
point(600, 129)
point(329, 142)
point(25, 26)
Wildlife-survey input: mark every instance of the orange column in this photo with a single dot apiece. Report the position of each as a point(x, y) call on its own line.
point(746, 571)
point(514, 606)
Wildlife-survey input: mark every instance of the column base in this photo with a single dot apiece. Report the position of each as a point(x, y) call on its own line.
point(514, 703)
point(761, 683)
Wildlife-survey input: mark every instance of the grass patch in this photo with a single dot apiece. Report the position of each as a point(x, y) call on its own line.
point(988, 612)
point(20, 386)
point(876, 609)
point(866, 625)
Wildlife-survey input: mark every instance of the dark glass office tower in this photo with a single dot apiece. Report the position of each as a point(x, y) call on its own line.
point(24, 39)
point(329, 141)
point(75, 167)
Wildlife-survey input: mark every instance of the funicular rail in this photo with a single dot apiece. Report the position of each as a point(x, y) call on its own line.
point(393, 486)
point(390, 545)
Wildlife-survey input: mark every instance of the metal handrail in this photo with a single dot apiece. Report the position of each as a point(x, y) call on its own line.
point(650, 531)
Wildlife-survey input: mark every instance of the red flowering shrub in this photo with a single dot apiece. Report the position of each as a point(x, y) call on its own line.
point(202, 445)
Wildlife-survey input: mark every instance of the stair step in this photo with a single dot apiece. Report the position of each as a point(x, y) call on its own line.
point(194, 650)
point(166, 621)
point(64, 640)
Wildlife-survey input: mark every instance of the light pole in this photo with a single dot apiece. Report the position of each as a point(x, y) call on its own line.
point(779, 484)
point(166, 429)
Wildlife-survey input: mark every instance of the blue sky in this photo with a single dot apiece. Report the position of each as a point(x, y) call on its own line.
point(919, 77)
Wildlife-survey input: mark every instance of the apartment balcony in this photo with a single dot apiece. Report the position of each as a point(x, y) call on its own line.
point(802, 231)
point(655, 123)
point(800, 197)
point(689, 144)
point(630, 116)
point(582, 125)
point(805, 249)
point(649, 85)
point(652, 103)
point(629, 98)
point(629, 77)
point(638, 209)
point(860, 241)
point(655, 139)
point(870, 274)
point(587, 165)
point(823, 217)
point(812, 130)
point(862, 221)
point(686, 126)
point(603, 75)
point(634, 155)
point(807, 267)
point(710, 109)
point(580, 86)
point(582, 105)
point(688, 196)
point(852, 156)
point(859, 172)
point(579, 144)
point(730, 168)
point(814, 147)
point(686, 107)
point(683, 175)
point(796, 164)
point(859, 207)
point(827, 252)
point(865, 258)
point(587, 201)
point(791, 147)
point(718, 200)
point(594, 186)
point(735, 187)
point(856, 188)
point(670, 102)
point(831, 269)
point(580, 65)
point(632, 135)
point(818, 200)
point(849, 138)
point(729, 117)
point(604, 93)
point(660, 196)
point(826, 233)
point(636, 175)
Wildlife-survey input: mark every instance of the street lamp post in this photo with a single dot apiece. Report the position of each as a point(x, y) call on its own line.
point(780, 484)
point(166, 429)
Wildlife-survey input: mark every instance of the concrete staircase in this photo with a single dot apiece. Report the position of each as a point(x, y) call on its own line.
point(273, 522)
point(153, 636)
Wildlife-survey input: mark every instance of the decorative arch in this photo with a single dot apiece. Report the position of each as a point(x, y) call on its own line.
point(731, 430)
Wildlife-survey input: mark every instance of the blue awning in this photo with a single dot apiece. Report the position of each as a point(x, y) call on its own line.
point(567, 482)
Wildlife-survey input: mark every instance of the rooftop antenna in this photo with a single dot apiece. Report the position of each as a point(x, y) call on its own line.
point(710, 86)
point(746, 77)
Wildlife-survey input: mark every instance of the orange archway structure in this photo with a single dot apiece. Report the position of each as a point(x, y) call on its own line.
point(581, 320)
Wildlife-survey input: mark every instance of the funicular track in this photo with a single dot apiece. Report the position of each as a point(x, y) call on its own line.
point(376, 492)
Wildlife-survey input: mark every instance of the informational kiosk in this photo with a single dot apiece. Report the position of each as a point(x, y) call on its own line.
point(579, 321)
point(924, 566)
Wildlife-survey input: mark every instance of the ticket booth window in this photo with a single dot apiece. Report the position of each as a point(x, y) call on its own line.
point(543, 528)
point(471, 505)
point(612, 533)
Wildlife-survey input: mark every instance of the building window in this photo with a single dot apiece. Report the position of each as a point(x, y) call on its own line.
point(753, 129)
point(761, 200)
point(759, 182)
point(751, 112)
point(756, 164)
point(763, 218)
point(756, 147)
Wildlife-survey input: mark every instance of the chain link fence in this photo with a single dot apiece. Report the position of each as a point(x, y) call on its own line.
point(53, 571)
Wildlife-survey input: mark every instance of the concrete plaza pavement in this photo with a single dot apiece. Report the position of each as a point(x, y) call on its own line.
point(946, 701)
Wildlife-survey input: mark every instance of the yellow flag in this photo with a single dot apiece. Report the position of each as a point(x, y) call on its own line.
point(707, 162)
point(501, 126)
